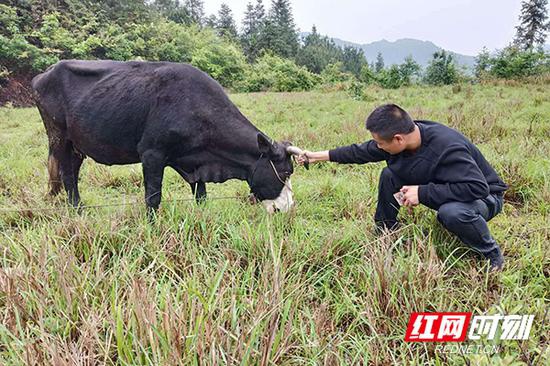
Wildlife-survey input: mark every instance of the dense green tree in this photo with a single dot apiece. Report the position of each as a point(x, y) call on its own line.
point(442, 69)
point(513, 63)
point(172, 10)
point(279, 32)
point(317, 52)
point(533, 27)
point(379, 65)
point(195, 9)
point(211, 21)
point(272, 72)
point(482, 63)
point(353, 59)
point(252, 27)
point(225, 24)
point(367, 74)
point(391, 78)
point(409, 70)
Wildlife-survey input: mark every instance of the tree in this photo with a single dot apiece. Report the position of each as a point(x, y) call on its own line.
point(195, 9)
point(353, 59)
point(318, 52)
point(367, 76)
point(379, 65)
point(252, 26)
point(225, 23)
point(442, 69)
point(409, 70)
point(172, 10)
point(533, 25)
point(482, 63)
point(279, 33)
point(211, 21)
point(511, 62)
point(391, 78)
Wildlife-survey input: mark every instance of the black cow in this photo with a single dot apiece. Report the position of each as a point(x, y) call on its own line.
point(160, 114)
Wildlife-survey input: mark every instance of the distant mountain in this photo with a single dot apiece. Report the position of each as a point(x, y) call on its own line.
point(396, 52)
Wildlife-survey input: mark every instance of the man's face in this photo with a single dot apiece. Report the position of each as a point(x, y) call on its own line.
point(393, 146)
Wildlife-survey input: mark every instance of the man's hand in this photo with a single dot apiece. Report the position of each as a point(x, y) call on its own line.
point(312, 157)
point(410, 196)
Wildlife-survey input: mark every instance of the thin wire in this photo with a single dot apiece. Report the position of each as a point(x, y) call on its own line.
point(119, 204)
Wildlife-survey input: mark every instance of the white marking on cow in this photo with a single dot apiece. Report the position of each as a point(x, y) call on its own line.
point(282, 203)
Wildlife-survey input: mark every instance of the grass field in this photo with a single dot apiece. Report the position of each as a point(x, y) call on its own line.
point(224, 283)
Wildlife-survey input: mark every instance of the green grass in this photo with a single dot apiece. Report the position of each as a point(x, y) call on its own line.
point(224, 283)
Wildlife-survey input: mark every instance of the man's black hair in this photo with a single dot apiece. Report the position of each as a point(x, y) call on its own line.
point(389, 120)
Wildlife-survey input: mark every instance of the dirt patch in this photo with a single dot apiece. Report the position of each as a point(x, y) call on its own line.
point(16, 90)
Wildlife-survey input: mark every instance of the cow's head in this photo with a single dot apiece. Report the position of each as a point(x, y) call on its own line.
point(270, 176)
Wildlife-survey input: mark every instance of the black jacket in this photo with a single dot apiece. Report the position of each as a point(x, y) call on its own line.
point(447, 166)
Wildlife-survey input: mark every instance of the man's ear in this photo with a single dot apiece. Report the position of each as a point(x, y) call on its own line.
point(399, 138)
point(265, 145)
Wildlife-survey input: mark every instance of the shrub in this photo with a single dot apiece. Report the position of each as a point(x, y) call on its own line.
point(220, 58)
point(278, 74)
point(512, 63)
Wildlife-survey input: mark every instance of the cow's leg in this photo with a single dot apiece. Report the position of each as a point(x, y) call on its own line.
point(56, 141)
point(199, 191)
point(69, 163)
point(153, 163)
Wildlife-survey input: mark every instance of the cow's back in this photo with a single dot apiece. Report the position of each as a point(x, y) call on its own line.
point(105, 106)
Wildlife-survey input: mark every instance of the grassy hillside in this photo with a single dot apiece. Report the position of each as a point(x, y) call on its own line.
point(226, 283)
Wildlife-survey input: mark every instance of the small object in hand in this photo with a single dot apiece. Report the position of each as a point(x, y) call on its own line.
point(400, 198)
point(303, 159)
point(252, 199)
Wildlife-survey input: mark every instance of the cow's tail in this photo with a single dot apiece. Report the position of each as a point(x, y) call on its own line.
point(55, 175)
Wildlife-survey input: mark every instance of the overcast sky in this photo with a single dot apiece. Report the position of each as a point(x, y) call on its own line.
point(462, 26)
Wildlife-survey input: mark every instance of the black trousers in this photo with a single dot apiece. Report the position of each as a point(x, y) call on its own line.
point(467, 220)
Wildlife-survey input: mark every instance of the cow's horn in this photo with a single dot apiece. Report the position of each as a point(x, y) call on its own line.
point(294, 150)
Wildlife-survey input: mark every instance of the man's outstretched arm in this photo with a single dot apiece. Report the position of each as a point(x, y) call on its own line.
point(313, 156)
point(366, 152)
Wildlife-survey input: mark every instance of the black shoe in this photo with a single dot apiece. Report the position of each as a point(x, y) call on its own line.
point(496, 259)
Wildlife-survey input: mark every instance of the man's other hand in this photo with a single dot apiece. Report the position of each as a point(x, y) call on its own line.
point(410, 196)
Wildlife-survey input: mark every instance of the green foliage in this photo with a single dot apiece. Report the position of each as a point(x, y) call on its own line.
point(367, 75)
point(512, 63)
point(334, 73)
point(409, 70)
point(278, 33)
point(353, 60)
point(195, 9)
point(172, 10)
point(318, 52)
point(379, 65)
point(225, 24)
point(53, 36)
point(442, 69)
point(534, 25)
point(391, 78)
point(35, 34)
point(252, 29)
point(482, 64)
point(16, 53)
point(224, 61)
point(162, 41)
point(8, 21)
point(275, 73)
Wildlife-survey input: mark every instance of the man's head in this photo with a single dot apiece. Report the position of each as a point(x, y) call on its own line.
point(389, 125)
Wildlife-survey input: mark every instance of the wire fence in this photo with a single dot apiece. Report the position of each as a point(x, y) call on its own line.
point(132, 202)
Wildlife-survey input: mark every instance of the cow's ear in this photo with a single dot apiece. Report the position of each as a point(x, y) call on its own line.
point(265, 145)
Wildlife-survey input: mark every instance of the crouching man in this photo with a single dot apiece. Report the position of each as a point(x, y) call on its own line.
point(431, 164)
